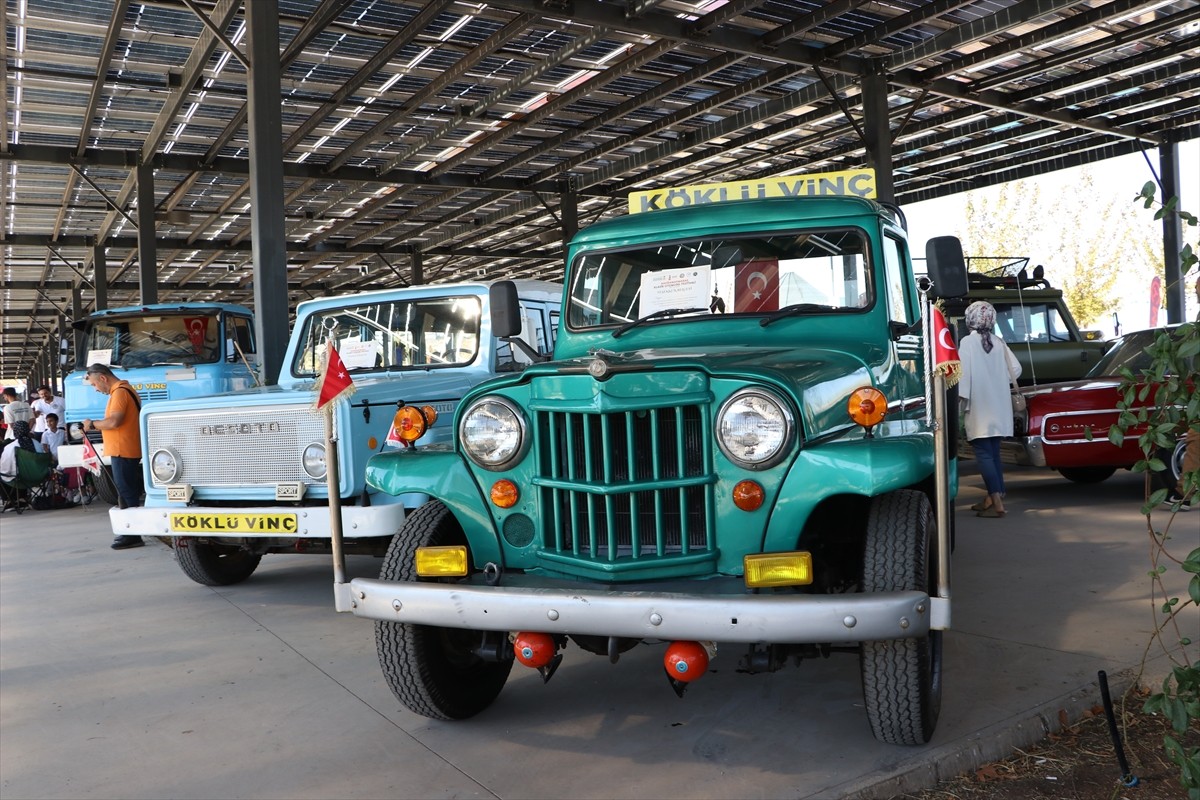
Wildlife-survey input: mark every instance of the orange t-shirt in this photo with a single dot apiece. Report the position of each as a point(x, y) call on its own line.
point(125, 440)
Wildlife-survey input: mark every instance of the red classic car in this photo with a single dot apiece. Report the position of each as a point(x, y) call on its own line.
point(1059, 418)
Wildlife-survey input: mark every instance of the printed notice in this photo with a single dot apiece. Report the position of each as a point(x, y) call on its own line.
point(675, 288)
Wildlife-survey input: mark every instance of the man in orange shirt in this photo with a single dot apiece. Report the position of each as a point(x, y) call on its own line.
point(122, 440)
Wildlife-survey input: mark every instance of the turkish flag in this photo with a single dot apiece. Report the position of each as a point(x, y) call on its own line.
point(197, 331)
point(945, 354)
point(91, 459)
point(335, 380)
point(756, 286)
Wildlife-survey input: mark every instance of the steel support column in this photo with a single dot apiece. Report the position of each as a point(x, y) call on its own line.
point(147, 257)
point(569, 212)
point(1174, 291)
point(99, 277)
point(77, 316)
point(418, 268)
point(266, 188)
point(878, 131)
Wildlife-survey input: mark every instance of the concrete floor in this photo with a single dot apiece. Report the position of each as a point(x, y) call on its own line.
point(121, 678)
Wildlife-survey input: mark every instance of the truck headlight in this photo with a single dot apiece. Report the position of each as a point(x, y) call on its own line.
point(313, 460)
point(492, 433)
point(75, 431)
point(754, 428)
point(165, 465)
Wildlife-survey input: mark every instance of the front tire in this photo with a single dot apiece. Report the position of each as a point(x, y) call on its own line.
point(902, 678)
point(433, 671)
point(1087, 474)
point(215, 564)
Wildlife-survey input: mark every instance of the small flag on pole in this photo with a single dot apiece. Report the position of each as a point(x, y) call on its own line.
point(335, 383)
point(945, 354)
point(393, 438)
point(91, 460)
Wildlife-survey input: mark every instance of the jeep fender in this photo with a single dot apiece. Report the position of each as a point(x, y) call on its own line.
point(442, 476)
point(867, 467)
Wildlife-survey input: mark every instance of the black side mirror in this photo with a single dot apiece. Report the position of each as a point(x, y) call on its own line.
point(505, 309)
point(947, 267)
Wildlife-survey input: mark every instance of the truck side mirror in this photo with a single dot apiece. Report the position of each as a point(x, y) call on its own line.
point(505, 309)
point(947, 267)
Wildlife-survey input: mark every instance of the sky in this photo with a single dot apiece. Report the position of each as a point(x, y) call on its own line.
point(1123, 176)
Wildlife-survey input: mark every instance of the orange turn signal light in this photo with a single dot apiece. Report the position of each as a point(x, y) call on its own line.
point(748, 495)
point(505, 493)
point(410, 423)
point(430, 415)
point(867, 406)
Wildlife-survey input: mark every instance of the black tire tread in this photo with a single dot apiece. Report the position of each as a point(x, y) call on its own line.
point(215, 565)
point(1087, 474)
point(415, 659)
point(901, 677)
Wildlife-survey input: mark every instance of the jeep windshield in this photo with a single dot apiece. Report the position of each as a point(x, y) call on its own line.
point(141, 340)
point(819, 272)
point(388, 335)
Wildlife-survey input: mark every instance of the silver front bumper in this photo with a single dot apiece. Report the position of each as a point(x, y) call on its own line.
point(791, 618)
point(311, 522)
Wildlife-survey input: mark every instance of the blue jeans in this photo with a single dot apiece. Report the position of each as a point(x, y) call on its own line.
point(987, 455)
point(127, 475)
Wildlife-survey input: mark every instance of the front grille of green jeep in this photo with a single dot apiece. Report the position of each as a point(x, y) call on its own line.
point(629, 489)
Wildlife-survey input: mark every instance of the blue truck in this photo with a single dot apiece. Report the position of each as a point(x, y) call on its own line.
point(166, 352)
point(233, 477)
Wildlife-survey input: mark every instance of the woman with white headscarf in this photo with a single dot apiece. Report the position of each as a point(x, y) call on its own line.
point(988, 369)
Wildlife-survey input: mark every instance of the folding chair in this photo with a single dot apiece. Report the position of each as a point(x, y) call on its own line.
point(34, 481)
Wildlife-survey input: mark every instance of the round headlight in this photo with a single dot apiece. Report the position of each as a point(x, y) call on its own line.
point(492, 433)
point(313, 459)
point(165, 465)
point(75, 431)
point(754, 428)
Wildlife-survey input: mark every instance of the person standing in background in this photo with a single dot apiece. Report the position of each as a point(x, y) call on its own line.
point(45, 403)
point(122, 441)
point(988, 370)
point(15, 410)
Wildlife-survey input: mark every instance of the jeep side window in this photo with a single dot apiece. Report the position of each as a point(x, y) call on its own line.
point(900, 307)
point(1036, 322)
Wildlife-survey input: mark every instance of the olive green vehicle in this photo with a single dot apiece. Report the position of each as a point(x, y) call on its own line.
point(730, 450)
point(1033, 319)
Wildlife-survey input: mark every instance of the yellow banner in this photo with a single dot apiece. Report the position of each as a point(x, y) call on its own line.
point(233, 523)
point(853, 182)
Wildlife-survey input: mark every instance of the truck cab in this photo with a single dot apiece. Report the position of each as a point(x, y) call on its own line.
point(730, 445)
point(233, 477)
point(166, 352)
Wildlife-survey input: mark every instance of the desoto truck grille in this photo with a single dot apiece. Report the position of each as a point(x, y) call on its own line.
point(238, 446)
point(629, 485)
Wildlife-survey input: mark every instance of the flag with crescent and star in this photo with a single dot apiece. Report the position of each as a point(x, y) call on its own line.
point(945, 353)
point(335, 382)
point(197, 331)
point(756, 286)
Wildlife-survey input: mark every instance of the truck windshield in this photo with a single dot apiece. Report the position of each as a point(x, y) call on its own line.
point(824, 271)
point(147, 340)
point(393, 334)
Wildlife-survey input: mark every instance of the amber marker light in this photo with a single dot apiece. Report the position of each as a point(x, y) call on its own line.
point(867, 406)
point(505, 493)
point(409, 423)
point(431, 415)
point(778, 569)
point(441, 562)
point(372, 443)
point(748, 496)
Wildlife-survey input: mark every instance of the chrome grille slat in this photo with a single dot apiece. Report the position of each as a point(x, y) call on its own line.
point(252, 454)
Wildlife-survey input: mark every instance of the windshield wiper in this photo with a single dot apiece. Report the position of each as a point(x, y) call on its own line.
point(791, 311)
point(662, 312)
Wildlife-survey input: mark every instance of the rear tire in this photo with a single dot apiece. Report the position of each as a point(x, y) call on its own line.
point(433, 671)
point(1087, 474)
point(902, 678)
point(215, 564)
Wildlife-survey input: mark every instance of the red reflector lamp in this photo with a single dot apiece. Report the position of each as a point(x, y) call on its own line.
point(748, 496)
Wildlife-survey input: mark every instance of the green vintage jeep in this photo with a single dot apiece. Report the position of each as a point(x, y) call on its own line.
point(730, 446)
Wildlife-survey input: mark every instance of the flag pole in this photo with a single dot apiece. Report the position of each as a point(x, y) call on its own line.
point(935, 391)
point(333, 481)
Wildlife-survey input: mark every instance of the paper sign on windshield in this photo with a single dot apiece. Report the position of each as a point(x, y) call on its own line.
point(100, 357)
point(675, 288)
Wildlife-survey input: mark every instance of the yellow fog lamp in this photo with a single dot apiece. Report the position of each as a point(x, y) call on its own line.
point(867, 407)
point(778, 569)
point(441, 562)
point(410, 423)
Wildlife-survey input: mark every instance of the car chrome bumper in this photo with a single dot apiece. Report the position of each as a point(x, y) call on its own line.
point(312, 522)
point(792, 618)
point(1024, 451)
